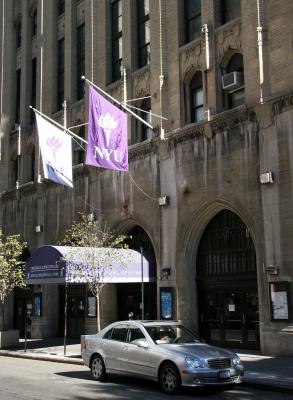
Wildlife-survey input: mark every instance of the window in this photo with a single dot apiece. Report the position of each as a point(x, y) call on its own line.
point(143, 21)
point(60, 75)
point(230, 9)
point(135, 334)
point(147, 132)
point(119, 333)
point(17, 100)
point(196, 98)
point(116, 14)
point(61, 7)
point(13, 171)
point(18, 35)
point(91, 306)
point(192, 19)
point(236, 96)
point(108, 334)
point(78, 151)
point(33, 87)
point(80, 60)
point(34, 25)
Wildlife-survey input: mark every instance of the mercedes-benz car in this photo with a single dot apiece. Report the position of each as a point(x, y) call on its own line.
point(166, 352)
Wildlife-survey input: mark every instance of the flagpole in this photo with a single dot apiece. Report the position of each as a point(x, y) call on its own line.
point(117, 102)
point(58, 125)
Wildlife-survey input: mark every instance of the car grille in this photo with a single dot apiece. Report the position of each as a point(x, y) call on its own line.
point(232, 379)
point(218, 363)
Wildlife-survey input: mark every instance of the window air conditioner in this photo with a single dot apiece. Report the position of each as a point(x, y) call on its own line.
point(232, 81)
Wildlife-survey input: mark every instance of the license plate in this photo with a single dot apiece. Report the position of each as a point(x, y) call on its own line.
point(225, 374)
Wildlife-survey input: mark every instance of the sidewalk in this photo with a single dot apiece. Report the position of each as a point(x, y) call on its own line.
point(275, 373)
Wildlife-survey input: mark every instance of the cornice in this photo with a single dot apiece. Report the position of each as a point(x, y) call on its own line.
point(143, 149)
point(282, 104)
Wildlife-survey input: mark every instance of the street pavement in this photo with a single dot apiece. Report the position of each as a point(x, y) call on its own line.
point(265, 372)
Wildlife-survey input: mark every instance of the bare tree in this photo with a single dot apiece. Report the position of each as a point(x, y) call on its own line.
point(102, 252)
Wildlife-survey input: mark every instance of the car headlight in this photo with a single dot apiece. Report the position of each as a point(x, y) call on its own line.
point(193, 362)
point(236, 361)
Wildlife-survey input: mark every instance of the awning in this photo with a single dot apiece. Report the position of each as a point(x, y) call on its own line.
point(46, 265)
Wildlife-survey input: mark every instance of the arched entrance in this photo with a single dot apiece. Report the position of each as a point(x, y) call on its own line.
point(227, 283)
point(129, 295)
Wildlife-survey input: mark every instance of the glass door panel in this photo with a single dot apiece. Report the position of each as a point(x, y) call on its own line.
point(211, 317)
point(233, 317)
point(251, 316)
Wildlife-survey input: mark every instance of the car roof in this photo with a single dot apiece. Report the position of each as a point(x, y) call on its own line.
point(148, 322)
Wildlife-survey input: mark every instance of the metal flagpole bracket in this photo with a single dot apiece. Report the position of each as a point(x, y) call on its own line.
point(117, 102)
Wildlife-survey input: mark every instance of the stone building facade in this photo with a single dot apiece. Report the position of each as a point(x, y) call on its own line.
point(221, 73)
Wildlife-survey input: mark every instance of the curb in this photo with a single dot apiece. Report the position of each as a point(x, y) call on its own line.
point(52, 358)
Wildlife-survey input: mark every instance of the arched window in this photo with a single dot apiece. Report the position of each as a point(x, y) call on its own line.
point(233, 82)
point(143, 132)
point(147, 133)
point(196, 98)
point(230, 9)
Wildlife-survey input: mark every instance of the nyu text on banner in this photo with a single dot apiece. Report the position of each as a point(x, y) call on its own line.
point(56, 150)
point(107, 134)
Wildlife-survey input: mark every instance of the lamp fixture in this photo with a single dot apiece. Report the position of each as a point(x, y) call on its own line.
point(165, 273)
point(266, 177)
point(164, 201)
point(39, 228)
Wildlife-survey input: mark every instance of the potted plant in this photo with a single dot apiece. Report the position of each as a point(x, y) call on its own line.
point(11, 276)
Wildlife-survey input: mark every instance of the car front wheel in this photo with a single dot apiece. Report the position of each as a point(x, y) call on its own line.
point(169, 378)
point(98, 368)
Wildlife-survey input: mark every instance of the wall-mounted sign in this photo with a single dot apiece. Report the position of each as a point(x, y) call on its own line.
point(91, 308)
point(37, 304)
point(279, 301)
point(166, 303)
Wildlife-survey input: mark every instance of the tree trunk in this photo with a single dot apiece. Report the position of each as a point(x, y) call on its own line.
point(3, 319)
point(98, 312)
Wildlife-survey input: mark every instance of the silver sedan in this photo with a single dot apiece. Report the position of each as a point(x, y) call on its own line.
point(166, 352)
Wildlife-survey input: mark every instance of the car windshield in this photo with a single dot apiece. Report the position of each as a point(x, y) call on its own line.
point(171, 334)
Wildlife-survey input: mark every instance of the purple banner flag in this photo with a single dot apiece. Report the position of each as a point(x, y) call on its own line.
point(107, 134)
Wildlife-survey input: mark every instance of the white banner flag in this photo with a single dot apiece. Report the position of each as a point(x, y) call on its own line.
point(56, 150)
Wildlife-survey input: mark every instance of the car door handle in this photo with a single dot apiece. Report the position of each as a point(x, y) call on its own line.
point(124, 348)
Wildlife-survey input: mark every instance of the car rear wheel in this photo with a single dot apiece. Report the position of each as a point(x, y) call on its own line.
point(169, 379)
point(98, 368)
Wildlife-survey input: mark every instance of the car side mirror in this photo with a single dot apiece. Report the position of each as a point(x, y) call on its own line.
point(142, 343)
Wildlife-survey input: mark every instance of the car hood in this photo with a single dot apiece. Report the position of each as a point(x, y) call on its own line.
point(201, 350)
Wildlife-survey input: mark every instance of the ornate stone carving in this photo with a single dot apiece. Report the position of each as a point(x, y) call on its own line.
point(117, 91)
point(228, 38)
point(78, 114)
point(191, 57)
point(141, 84)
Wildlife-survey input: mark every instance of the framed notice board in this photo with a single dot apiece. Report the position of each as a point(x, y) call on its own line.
point(280, 301)
point(167, 303)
